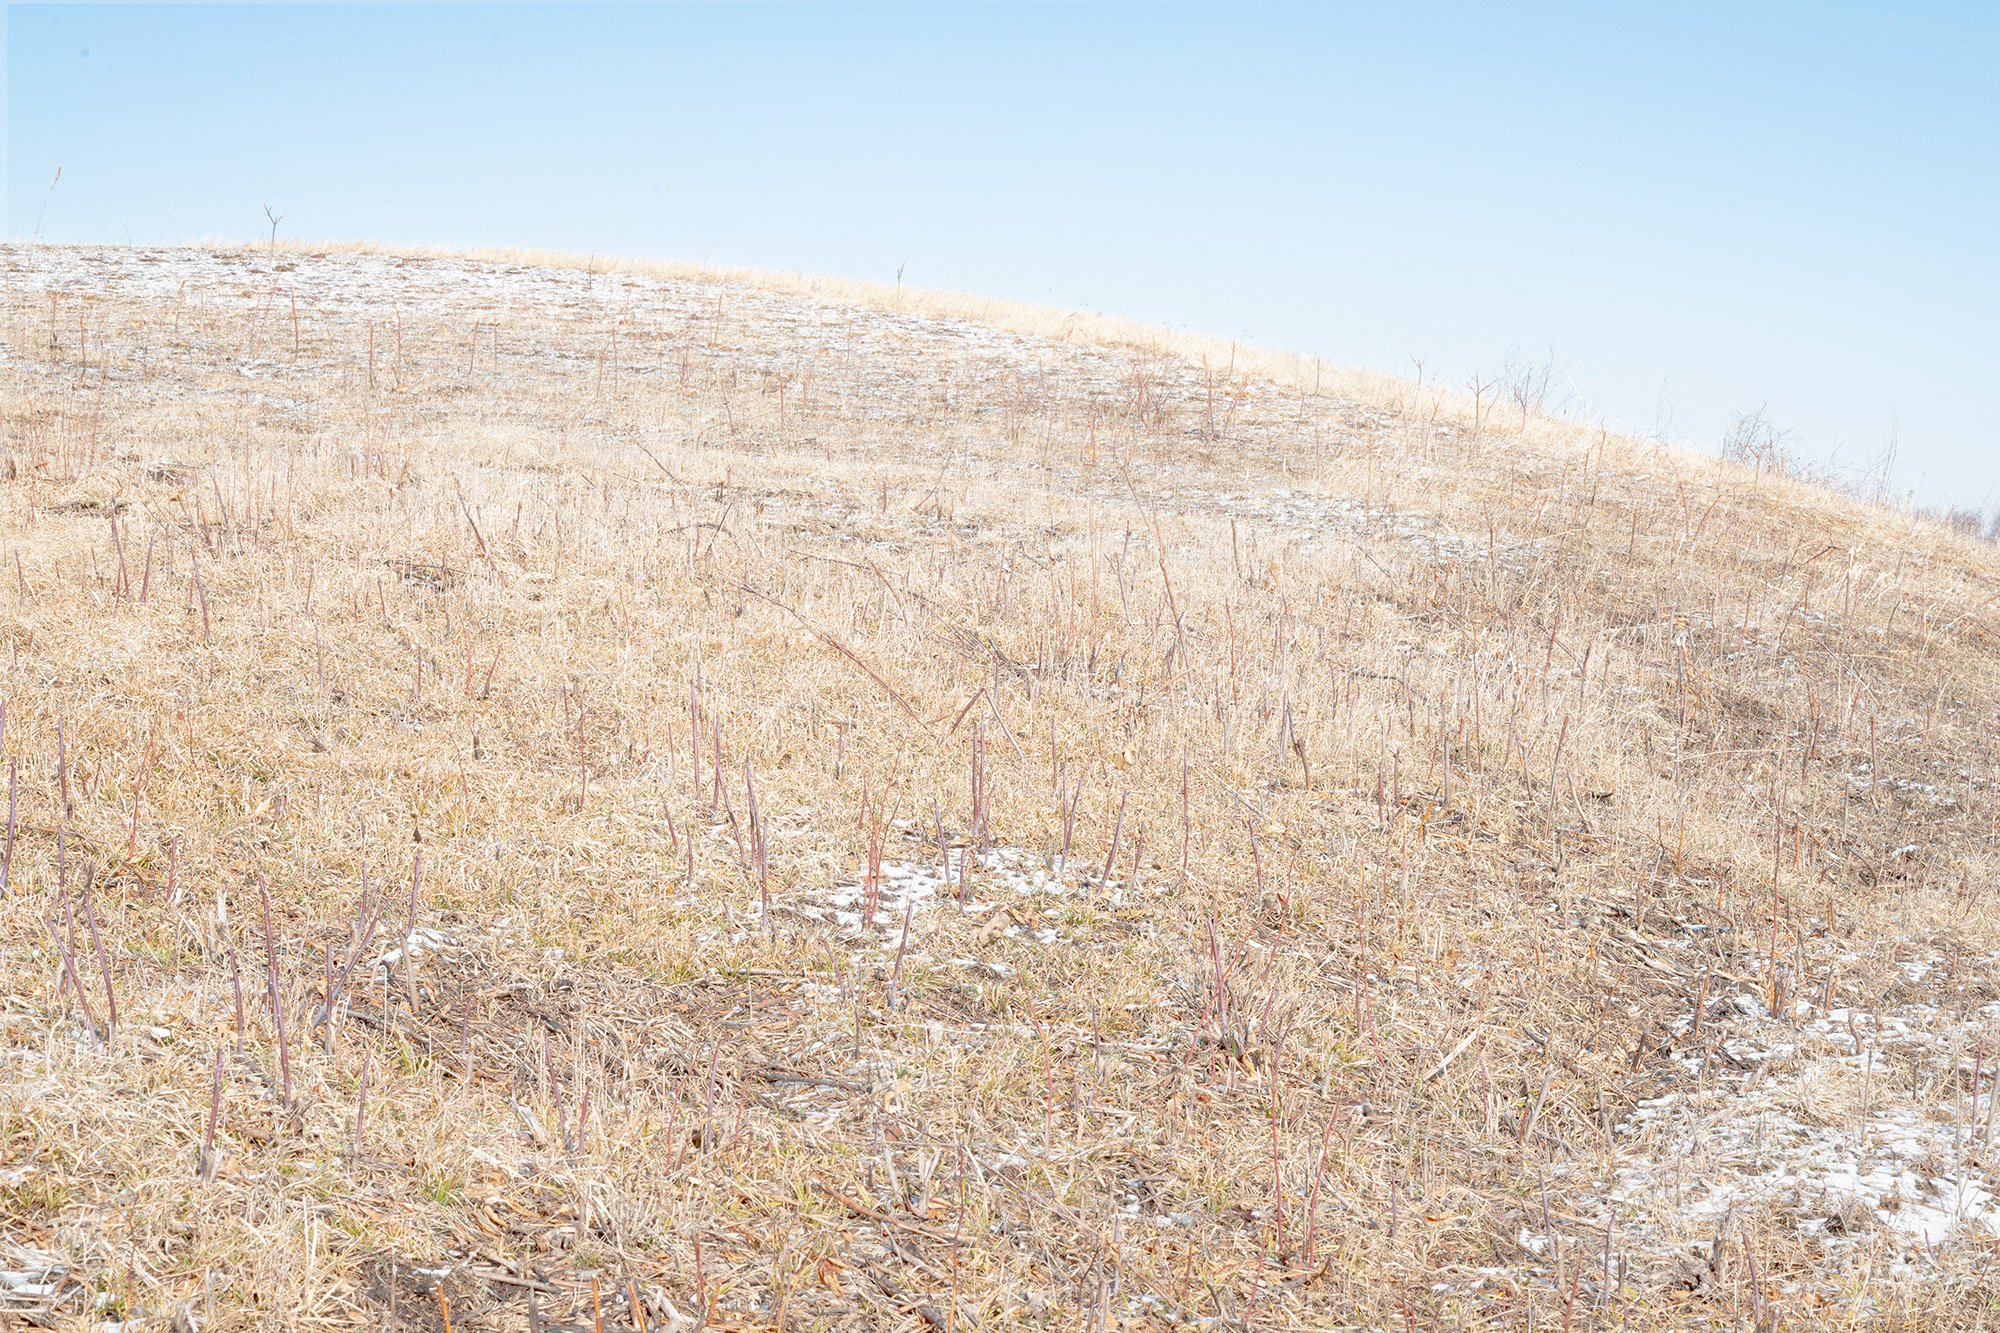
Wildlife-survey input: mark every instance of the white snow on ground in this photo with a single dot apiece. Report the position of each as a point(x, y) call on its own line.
point(1022, 884)
point(1914, 1171)
point(1870, 1132)
point(817, 347)
point(419, 942)
point(1311, 514)
point(355, 288)
point(31, 1280)
point(1867, 1133)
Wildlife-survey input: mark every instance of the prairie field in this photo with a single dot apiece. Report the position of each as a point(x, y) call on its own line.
point(551, 793)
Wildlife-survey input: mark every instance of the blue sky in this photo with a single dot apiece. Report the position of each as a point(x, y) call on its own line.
point(1700, 209)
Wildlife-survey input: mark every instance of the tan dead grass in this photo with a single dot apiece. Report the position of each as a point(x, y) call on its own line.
point(1473, 751)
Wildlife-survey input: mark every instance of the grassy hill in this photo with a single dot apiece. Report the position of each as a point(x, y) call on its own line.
point(539, 786)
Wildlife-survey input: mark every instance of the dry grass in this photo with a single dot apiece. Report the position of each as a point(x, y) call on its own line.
point(1391, 848)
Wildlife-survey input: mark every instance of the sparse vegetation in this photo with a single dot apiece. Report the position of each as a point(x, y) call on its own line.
point(632, 797)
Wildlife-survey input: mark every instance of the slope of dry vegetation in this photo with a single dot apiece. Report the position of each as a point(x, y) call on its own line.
point(552, 796)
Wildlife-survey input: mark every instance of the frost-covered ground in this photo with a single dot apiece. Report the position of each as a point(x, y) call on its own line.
point(875, 364)
point(503, 299)
point(1868, 1130)
point(1863, 1133)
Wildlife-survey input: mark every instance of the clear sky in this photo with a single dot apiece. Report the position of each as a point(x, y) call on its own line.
point(1698, 208)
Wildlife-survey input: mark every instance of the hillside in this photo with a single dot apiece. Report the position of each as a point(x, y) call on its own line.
point(539, 786)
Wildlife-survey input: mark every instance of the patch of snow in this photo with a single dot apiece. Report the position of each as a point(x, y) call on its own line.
point(419, 942)
point(969, 883)
point(1858, 1126)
